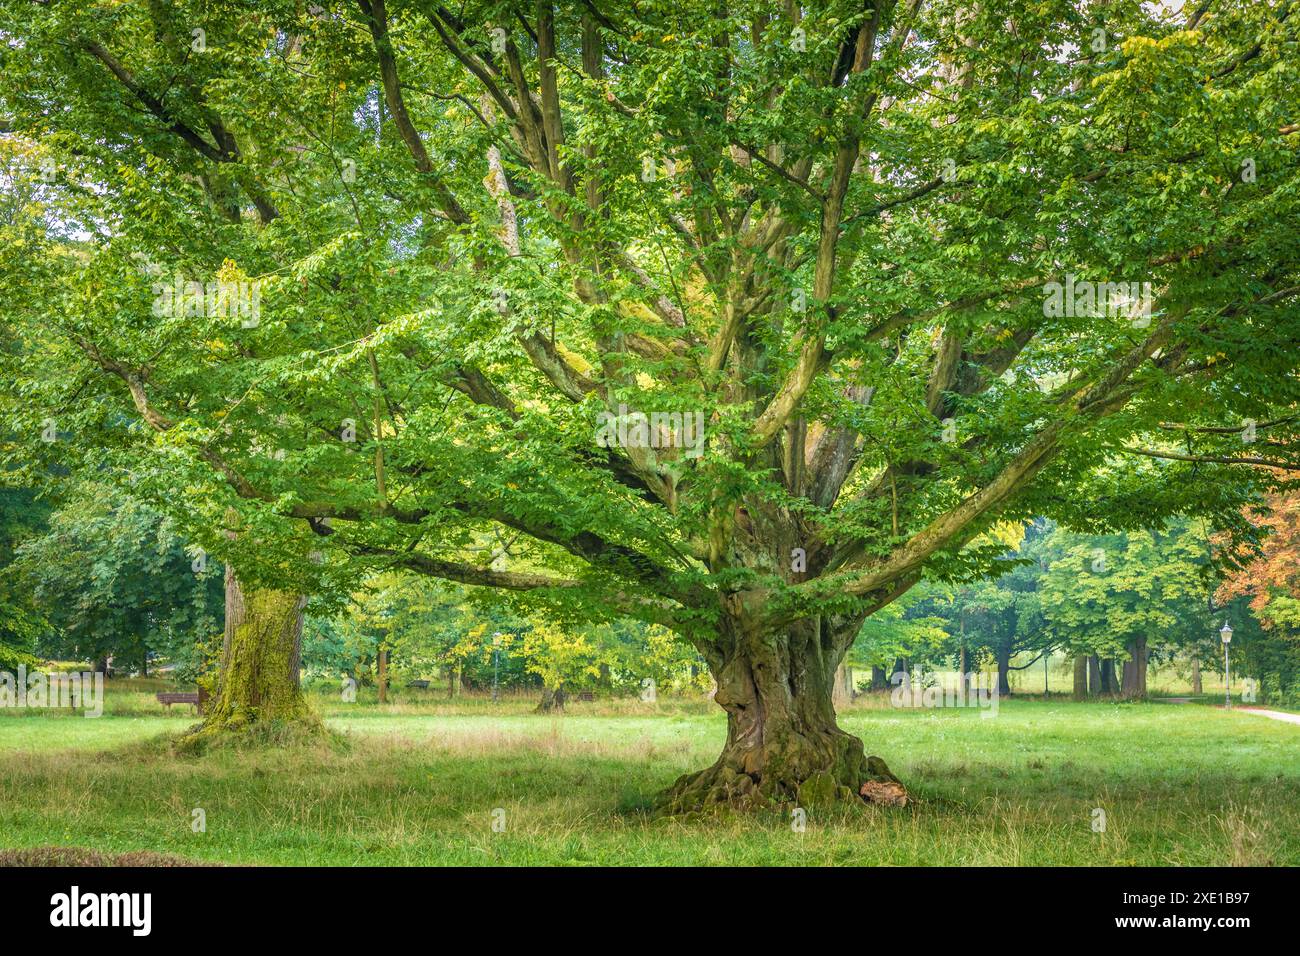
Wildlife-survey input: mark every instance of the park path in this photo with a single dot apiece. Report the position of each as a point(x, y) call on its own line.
point(1275, 714)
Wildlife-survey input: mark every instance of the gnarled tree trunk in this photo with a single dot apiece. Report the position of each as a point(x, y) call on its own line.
point(258, 681)
point(783, 745)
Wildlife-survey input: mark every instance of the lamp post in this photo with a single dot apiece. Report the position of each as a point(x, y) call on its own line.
point(1226, 634)
point(496, 663)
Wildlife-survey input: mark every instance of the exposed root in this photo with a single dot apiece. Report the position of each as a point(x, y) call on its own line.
point(727, 785)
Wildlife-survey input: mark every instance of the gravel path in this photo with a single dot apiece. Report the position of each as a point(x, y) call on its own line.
point(1275, 714)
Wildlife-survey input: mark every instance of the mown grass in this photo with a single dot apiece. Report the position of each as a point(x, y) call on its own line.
point(417, 782)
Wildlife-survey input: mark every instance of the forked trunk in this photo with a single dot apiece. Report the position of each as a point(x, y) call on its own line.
point(552, 700)
point(258, 682)
point(783, 745)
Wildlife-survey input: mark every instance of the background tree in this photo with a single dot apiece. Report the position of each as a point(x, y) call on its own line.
point(115, 581)
point(1128, 596)
point(21, 620)
point(1262, 599)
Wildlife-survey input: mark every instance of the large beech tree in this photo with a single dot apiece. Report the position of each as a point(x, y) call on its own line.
point(488, 236)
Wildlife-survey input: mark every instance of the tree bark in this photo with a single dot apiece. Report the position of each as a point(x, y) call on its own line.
point(1134, 681)
point(1094, 676)
point(258, 679)
point(383, 675)
point(783, 745)
point(1196, 673)
point(1109, 686)
point(1003, 655)
point(843, 693)
point(879, 681)
point(1080, 676)
point(552, 700)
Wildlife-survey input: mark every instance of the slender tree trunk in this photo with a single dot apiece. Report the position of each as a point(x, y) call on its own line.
point(1196, 674)
point(962, 676)
point(1094, 676)
point(843, 693)
point(1080, 676)
point(383, 675)
point(1004, 669)
point(259, 672)
point(1109, 686)
point(783, 745)
point(1135, 670)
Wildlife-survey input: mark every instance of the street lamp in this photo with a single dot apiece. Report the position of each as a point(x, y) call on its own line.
point(496, 663)
point(1226, 633)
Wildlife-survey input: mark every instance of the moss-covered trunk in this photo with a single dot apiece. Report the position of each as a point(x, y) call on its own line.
point(783, 745)
point(257, 683)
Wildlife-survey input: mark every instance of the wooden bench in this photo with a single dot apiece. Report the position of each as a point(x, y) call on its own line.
point(586, 696)
point(195, 699)
point(420, 684)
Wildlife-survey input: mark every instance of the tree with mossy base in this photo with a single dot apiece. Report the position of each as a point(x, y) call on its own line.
point(735, 324)
point(258, 677)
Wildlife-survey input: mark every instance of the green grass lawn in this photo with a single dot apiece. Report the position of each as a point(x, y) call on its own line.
point(417, 781)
